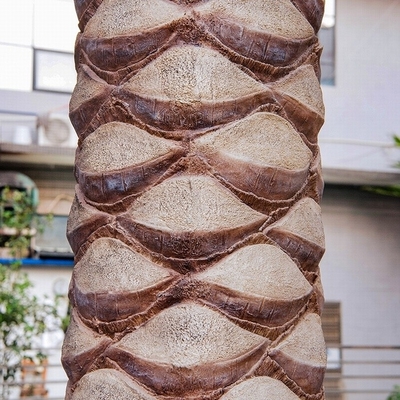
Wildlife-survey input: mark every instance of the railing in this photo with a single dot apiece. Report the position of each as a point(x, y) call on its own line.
point(39, 381)
point(354, 373)
point(362, 372)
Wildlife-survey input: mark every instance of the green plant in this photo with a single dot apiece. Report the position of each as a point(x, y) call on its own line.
point(395, 395)
point(19, 221)
point(396, 139)
point(23, 318)
point(392, 190)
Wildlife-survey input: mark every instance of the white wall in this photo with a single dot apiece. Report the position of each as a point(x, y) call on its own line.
point(364, 102)
point(33, 102)
point(361, 266)
point(361, 270)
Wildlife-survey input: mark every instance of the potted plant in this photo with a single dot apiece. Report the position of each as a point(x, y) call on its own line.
point(23, 319)
point(395, 395)
point(17, 219)
point(23, 316)
point(19, 222)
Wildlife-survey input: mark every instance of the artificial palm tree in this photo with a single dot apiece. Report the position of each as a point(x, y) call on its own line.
point(196, 225)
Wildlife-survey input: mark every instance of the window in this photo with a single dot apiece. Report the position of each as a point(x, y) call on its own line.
point(331, 326)
point(327, 39)
point(40, 56)
point(14, 15)
point(53, 72)
point(51, 26)
point(55, 25)
point(16, 67)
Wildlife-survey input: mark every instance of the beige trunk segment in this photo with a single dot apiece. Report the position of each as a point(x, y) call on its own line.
point(196, 225)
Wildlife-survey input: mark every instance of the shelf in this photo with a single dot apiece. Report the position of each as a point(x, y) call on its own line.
point(34, 154)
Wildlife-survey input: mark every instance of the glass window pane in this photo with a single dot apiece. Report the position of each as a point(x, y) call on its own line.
point(329, 14)
point(16, 18)
point(55, 25)
point(54, 71)
point(16, 68)
point(327, 39)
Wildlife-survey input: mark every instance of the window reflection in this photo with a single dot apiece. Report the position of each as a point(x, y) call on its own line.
point(327, 39)
point(14, 15)
point(55, 25)
point(16, 68)
point(329, 15)
point(54, 71)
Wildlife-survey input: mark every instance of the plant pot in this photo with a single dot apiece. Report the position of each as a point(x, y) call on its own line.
point(6, 233)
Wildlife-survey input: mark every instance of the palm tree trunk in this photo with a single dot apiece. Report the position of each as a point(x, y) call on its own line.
point(196, 226)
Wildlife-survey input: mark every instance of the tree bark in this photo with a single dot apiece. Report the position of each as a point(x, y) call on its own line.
point(196, 226)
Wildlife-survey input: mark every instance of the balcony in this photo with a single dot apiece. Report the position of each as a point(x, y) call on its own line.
point(360, 373)
point(37, 139)
point(363, 373)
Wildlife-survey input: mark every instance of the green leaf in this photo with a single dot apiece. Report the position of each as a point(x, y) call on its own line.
point(23, 317)
point(393, 190)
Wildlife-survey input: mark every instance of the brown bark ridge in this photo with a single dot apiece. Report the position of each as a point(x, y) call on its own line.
point(196, 226)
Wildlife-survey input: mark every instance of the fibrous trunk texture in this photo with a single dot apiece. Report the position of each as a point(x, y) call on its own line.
point(196, 226)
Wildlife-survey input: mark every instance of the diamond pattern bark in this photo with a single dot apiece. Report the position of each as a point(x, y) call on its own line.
point(196, 226)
